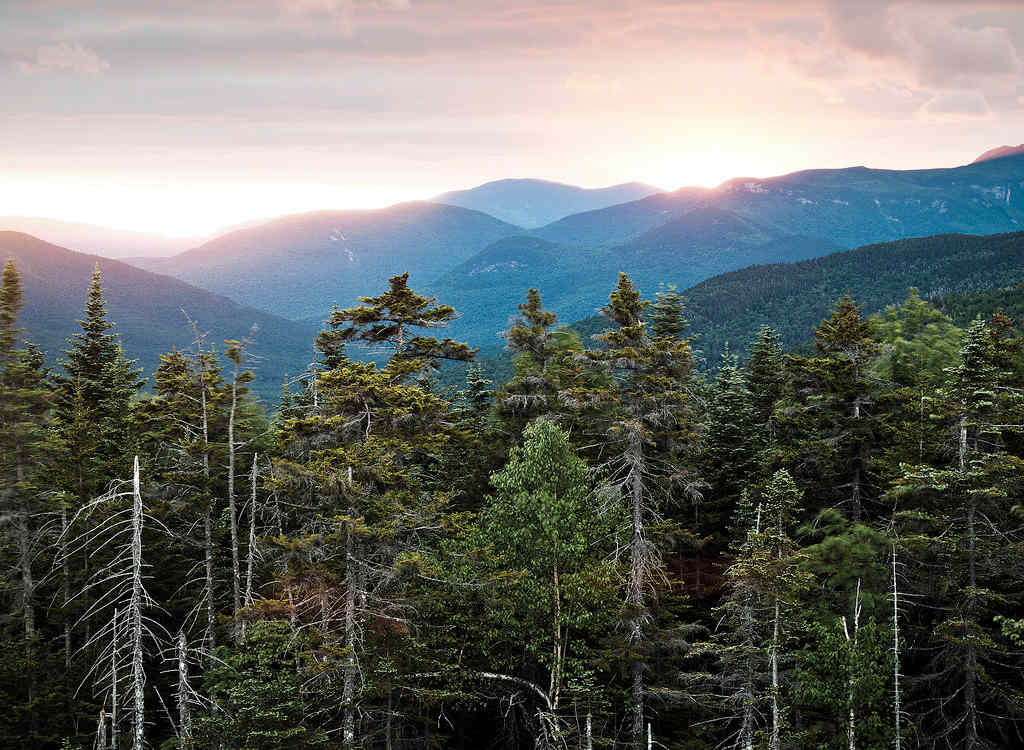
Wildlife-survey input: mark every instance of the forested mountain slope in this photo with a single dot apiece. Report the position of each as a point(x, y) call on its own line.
point(966, 306)
point(298, 266)
point(790, 296)
point(149, 310)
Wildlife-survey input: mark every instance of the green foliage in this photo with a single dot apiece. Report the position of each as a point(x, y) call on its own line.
point(842, 670)
point(95, 393)
point(256, 695)
point(390, 319)
point(920, 342)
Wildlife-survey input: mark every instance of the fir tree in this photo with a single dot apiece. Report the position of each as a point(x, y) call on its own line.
point(963, 541)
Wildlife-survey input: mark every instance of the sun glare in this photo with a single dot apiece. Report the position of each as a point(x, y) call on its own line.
point(179, 210)
point(708, 168)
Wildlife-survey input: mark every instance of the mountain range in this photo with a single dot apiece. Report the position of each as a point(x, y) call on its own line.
point(149, 311)
point(794, 297)
point(285, 273)
point(298, 266)
point(693, 234)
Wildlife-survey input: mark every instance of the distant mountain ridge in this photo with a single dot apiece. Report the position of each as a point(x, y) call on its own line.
point(531, 203)
point(964, 275)
point(297, 266)
point(91, 238)
point(1000, 152)
point(693, 234)
point(148, 310)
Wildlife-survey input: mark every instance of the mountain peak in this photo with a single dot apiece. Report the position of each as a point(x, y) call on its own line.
point(531, 203)
point(1000, 152)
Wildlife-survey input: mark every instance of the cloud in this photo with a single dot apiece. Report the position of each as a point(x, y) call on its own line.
point(957, 104)
point(930, 41)
point(63, 56)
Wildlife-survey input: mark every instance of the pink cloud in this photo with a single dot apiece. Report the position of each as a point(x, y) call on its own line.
point(63, 56)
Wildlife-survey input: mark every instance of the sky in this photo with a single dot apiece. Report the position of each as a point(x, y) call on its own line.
point(187, 116)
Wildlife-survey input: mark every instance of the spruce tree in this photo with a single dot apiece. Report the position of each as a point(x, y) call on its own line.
point(731, 445)
point(765, 374)
point(359, 469)
point(95, 392)
point(533, 389)
point(389, 321)
point(26, 457)
point(960, 531)
point(834, 414)
point(651, 429)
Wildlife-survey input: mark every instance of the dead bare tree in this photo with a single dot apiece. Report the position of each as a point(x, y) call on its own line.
point(236, 353)
point(117, 593)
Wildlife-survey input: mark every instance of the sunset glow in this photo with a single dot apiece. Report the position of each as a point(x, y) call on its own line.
point(187, 119)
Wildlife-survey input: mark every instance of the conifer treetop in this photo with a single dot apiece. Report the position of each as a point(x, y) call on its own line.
point(846, 333)
point(529, 333)
point(666, 314)
point(10, 304)
point(385, 320)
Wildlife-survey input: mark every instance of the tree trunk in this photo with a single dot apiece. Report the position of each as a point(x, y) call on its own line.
point(775, 743)
point(855, 493)
point(635, 596)
point(209, 636)
point(851, 726)
point(962, 444)
point(135, 613)
point(971, 676)
point(895, 650)
point(100, 743)
point(184, 697)
point(556, 666)
point(65, 588)
point(348, 693)
point(236, 576)
point(113, 683)
point(250, 552)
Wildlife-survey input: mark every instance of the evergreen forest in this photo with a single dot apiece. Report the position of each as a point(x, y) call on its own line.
point(621, 546)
